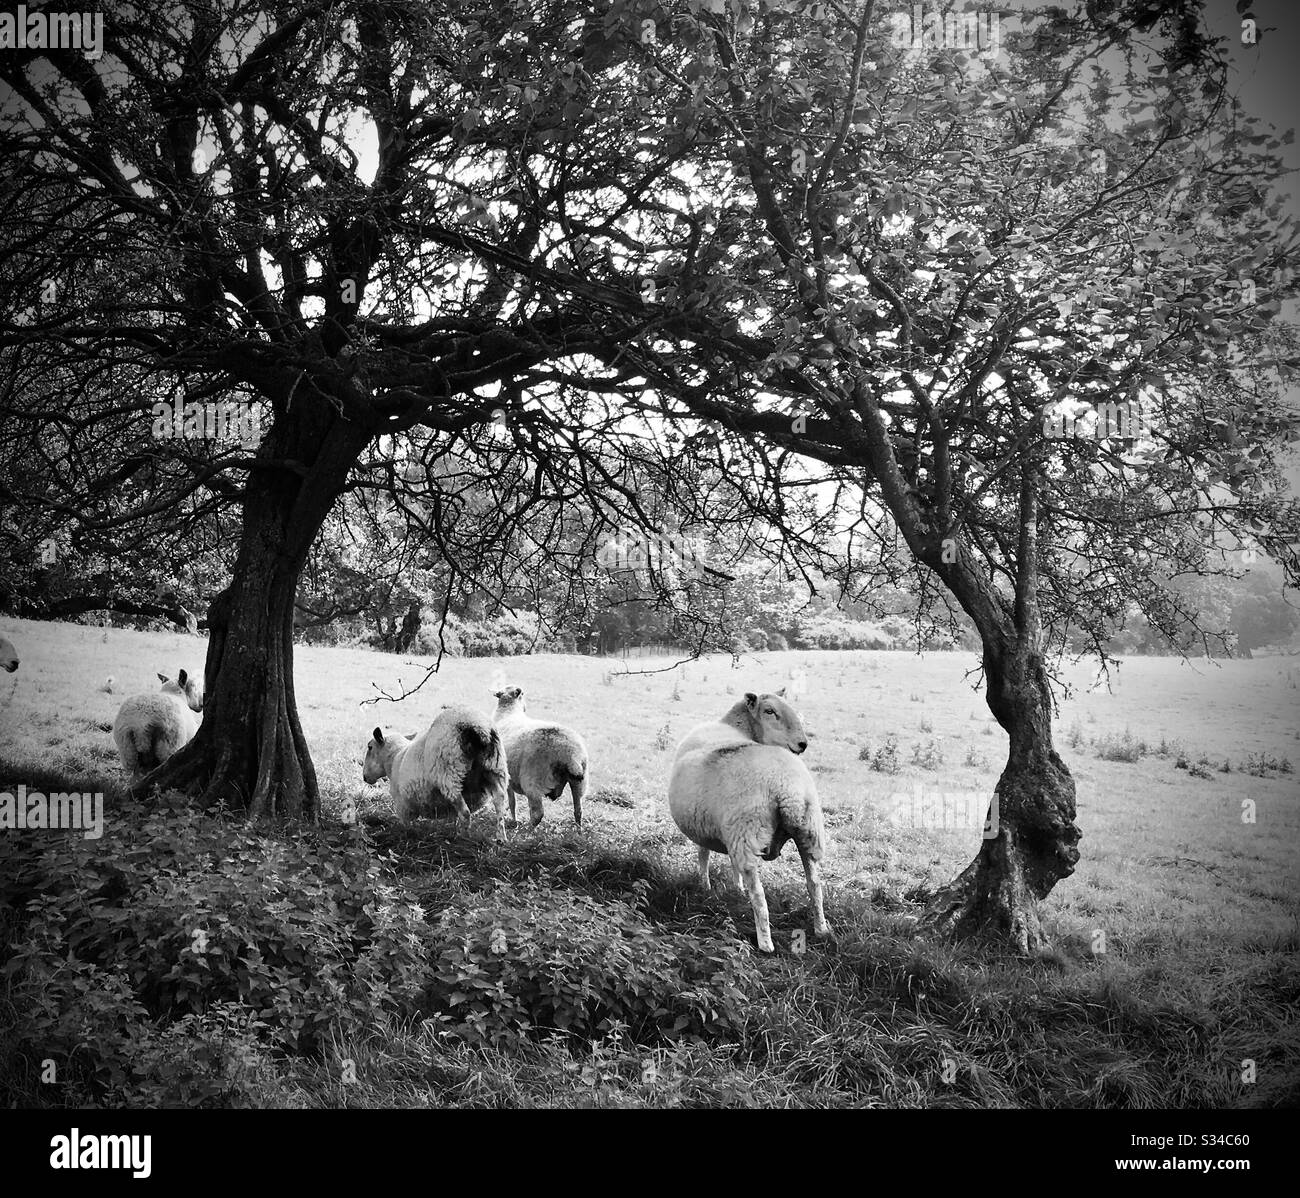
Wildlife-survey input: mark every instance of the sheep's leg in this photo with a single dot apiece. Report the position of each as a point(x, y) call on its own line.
point(813, 873)
point(498, 805)
point(535, 811)
point(577, 787)
point(758, 901)
point(702, 867)
point(462, 812)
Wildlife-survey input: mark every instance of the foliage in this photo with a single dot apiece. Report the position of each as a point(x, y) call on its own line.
point(172, 914)
point(533, 958)
point(885, 760)
point(1123, 747)
point(928, 756)
point(505, 635)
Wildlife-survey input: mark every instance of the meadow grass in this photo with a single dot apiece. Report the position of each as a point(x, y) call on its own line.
point(1174, 943)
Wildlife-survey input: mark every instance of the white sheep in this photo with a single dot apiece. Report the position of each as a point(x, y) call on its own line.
point(544, 757)
point(738, 787)
point(8, 655)
point(457, 761)
point(149, 728)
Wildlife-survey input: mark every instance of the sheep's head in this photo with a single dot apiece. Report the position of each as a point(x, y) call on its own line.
point(772, 721)
point(510, 699)
point(8, 656)
point(186, 685)
point(379, 757)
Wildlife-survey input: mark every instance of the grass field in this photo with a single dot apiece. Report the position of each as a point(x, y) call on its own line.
point(1174, 956)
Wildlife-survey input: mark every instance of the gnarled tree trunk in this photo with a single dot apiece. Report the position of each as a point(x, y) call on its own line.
point(1030, 836)
point(250, 750)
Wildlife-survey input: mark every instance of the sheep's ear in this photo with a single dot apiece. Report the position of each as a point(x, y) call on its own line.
point(751, 699)
point(181, 678)
point(781, 693)
point(379, 736)
point(499, 694)
point(162, 677)
point(517, 691)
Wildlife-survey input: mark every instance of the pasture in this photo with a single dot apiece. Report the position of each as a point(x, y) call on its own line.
point(1174, 957)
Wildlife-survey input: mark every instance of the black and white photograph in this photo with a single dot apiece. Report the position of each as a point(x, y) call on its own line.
point(684, 555)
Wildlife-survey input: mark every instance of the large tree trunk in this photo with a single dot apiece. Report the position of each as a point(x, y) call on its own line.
point(1030, 836)
point(250, 750)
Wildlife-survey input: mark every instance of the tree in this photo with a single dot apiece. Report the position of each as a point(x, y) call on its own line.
point(189, 220)
point(940, 259)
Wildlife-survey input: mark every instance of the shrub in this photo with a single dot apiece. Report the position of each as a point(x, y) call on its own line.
point(929, 756)
point(173, 913)
point(829, 630)
point(1120, 748)
point(885, 760)
point(533, 959)
point(209, 1061)
point(505, 635)
point(1262, 764)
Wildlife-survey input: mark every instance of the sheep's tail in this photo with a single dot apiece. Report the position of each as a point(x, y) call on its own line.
point(146, 756)
point(488, 771)
point(575, 765)
point(574, 772)
point(816, 831)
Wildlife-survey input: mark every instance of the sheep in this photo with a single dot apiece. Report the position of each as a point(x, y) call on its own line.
point(458, 761)
point(544, 757)
point(8, 656)
point(738, 787)
point(150, 727)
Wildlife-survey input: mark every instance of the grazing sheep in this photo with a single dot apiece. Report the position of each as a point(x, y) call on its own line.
point(738, 787)
point(544, 757)
point(458, 761)
point(8, 656)
point(149, 728)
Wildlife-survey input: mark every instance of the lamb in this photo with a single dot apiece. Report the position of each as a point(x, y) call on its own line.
point(544, 757)
point(738, 787)
point(149, 728)
point(458, 761)
point(8, 656)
